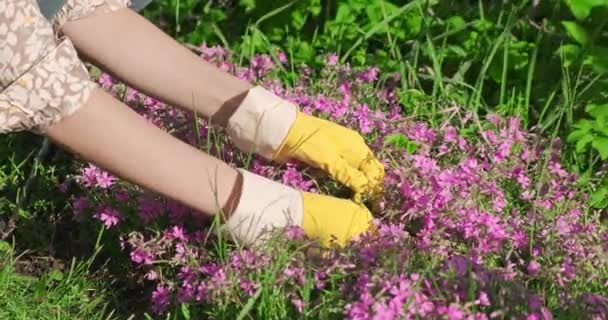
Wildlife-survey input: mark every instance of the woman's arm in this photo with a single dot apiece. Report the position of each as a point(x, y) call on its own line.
point(45, 88)
point(113, 136)
point(134, 50)
point(127, 45)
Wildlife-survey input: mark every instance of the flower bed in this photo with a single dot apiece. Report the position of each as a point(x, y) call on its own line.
point(478, 220)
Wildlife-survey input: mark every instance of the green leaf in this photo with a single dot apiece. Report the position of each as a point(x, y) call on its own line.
point(584, 127)
point(576, 32)
point(401, 142)
point(411, 147)
point(598, 59)
point(249, 305)
point(314, 7)
point(459, 51)
point(298, 19)
point(569, 53)
point(601, 145)
point(456, 23)
point(4, 246)
point(55, 275)
point(601, 125)
point(344, 14)
point(584, 178)
point(582, 8)
point(185, 311)
point(583, 142)
point(248, 4)
point(374, 14)
point(576, 135)
point(599, 199)
point(597, 110)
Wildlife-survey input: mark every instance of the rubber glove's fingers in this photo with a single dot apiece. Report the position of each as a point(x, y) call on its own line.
point(340, 170)
point(374, 171)
point(327, 218)
point(310, 148)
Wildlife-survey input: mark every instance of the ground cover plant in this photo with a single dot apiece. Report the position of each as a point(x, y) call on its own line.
point(479, 219)
point(495, 196)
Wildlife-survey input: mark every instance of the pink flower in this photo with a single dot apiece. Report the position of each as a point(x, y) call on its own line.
point(177, 233)
point(453, 312)
point(186, 293)
point(282, 57)
point(89, 176)
point(80, 204)
point(295, 178)
point(362, 115)
point(294, 233)
point(105, 180)
point(319, 279)
point(261, 64)
point(295, 273)
point(141, 256)
point(160, 299)
point(369, 75)
point(122, 195)
point(533, 267)
point(248, 287)
point(556, 168)
point(483, 299)
point(108, 215)
point(93, 176)
point(332, 59)
point(151, 275)
point(298, 304)
point(450, 134)
point(212, 53)
point(494, 119)
point(106, 81)
point(132, 95)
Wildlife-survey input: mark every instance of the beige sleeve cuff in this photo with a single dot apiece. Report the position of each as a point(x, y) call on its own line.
point(263, 206)
point(261, 123)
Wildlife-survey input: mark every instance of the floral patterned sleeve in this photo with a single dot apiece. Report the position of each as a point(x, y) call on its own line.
point(42, 79)
point(77, 9)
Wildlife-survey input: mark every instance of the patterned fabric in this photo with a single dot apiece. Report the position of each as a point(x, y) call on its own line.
point(42, 80)
point(77, 9)
point(50, 8)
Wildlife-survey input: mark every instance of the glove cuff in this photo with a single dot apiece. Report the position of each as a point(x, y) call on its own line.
point(263, 206)
point(261, 122)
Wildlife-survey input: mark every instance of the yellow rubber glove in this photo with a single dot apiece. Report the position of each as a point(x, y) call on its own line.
point(339, 151)
point(265, 204)
point(330, 219)
point(274, 128)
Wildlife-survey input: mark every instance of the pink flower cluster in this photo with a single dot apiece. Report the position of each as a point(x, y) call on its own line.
point(478, 221)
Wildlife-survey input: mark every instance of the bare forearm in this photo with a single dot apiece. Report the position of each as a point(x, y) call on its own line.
point(131, 48)
point(111, 135)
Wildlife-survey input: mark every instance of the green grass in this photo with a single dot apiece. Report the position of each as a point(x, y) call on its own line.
point(70, 294)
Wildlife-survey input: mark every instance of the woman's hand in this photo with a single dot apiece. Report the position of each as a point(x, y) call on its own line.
point(339, 151)
point(323, 218)
point(328, 219)
point(274, 128)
